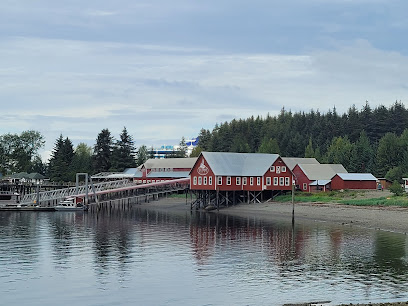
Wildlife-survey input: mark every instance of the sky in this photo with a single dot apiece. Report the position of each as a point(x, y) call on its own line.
point(166, 69)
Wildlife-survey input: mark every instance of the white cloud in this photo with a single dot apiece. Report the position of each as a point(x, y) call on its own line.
point(78, 88)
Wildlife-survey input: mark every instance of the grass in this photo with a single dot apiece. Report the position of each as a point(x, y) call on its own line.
point(347, 198)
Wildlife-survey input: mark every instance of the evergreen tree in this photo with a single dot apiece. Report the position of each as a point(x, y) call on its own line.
point(182, 149)
point(362, 155)
point(60, 164)
point(388, 154)
point(103, 151)
point(309, 152)
point(123, 153)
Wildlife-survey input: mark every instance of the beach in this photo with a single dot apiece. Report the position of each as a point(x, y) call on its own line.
point(387, 218)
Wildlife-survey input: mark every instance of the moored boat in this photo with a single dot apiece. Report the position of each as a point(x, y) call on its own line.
point(71, 204)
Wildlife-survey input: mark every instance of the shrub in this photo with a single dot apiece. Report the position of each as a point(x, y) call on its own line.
point(396, 188)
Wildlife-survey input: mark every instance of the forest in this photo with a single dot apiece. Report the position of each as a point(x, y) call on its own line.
point(371, 140)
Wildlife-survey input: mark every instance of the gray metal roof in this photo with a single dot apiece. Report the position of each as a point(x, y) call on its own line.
point(322, 171)
point(239, 164)
point(291, 162)
point(320, 183)
point(187, 163)
point(357, 176)
point(168, 174)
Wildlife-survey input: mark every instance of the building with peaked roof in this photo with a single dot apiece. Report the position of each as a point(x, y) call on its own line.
point(245, 175)
point(153, 170)
point(353, 181)
point(291, 162)
point(305, 174)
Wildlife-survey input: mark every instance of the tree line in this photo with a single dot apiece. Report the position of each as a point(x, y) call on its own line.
point(108, 154)
point(20, 153)
point(366, 140)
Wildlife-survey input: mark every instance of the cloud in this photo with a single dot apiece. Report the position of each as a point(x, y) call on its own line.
point(161, 93)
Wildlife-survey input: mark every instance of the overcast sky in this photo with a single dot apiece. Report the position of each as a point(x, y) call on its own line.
point(166, 69)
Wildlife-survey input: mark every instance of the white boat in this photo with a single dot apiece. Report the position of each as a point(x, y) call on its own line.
point(71, 204)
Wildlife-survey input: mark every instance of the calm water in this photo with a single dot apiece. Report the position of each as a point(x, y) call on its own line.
point(140, 257)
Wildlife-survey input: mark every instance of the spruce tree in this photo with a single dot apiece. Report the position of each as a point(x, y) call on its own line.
point(123, 153)
point(103, 151)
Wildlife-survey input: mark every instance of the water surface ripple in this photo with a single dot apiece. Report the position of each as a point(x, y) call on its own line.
point(147, 257)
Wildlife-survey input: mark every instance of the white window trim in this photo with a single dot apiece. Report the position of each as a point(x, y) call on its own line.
point(272, 169)
point(275, 181)
point(281, 181)
point(228, 180)
point(283, 168)
point(210, 180)
point(205, 180)
point(251, 181)
point(278, 169)
point(258, 181)
point(268, 181)
point(304, 186)
point(200, 180)
point(244, 180)
point(238, 180)
point(219, 180)
point(287, 181)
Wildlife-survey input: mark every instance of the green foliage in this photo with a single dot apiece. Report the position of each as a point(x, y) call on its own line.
point(269, 145)
point(19, 152)
point(60, 164)
point(142, 155)
point(82, 161)
point(396, 188)
point(103, 151)
point(196, 151)
point(123, 153)
point(339, 152)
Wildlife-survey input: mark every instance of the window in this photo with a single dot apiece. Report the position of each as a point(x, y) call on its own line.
point(283, 168)
point(144, 181)
point(244, 180)
point(278, 168)
point(287, 181)
point(251, 181)
point(258, 181)
point(275, 181)
point(304, 186)
point(282, 181)
point(268, 181)
point(210, 180)
point(219, 180)
point(200, 180)
point(272, 168)
point(228, 180)
point(238, 181)
point(205, 180)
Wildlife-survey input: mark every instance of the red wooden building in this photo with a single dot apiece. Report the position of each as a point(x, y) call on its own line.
point(309, 177)
point(226, 178)
point(353, 181)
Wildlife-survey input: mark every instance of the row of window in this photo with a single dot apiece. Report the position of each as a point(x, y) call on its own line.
point(277, 181)
point(148, 181)
point(162, 169)
point(277, 169)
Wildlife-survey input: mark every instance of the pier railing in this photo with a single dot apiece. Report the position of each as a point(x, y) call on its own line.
point(59, 194)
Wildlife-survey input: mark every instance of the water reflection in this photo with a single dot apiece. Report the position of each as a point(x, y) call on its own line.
point(137, 247)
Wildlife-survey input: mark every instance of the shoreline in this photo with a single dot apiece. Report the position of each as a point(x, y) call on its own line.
point(386, 218)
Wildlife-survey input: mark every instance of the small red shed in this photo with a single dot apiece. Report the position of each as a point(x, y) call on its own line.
point(353, 181)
